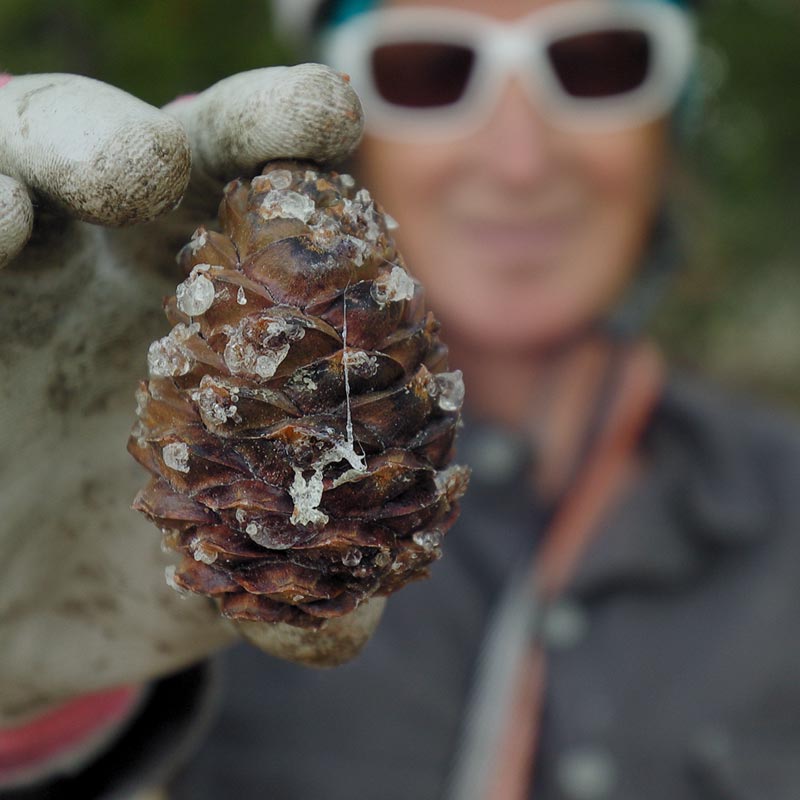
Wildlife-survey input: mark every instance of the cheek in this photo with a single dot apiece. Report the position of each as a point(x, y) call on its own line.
point(622, 178)
point(624, 175)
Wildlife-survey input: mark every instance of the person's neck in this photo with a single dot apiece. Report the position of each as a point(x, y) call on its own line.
point(547, 396)
point(500, 387)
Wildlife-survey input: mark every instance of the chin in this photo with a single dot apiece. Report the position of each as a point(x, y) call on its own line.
point(510, 334)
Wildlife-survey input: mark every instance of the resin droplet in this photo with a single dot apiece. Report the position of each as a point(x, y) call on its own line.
point(397, 285)
point(199, 239)
point(215, 401)
point(266, 537)
point(169, 577)
point(142, 398)
point(450, 386)
point(360, 363)
point(265, 366)
point(362, 213)
point(428, 540)
point(285, 329)
point(176, 456)
point(203, 553)
point(287, 204)
point(326, 233)
point(352, 558)
point(452, 481)
point(280, 178)
point(241, 298)
point(307, 495)
point(196, 294)
point(359, 250)
point(168, 357)
point(257, 349)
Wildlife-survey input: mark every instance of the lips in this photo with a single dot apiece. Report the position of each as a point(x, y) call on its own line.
point(533, 243)
point(517, 227)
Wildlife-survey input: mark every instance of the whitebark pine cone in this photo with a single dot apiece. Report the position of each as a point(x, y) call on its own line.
point(299, 417)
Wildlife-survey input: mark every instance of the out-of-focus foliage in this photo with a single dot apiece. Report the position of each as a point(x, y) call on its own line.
point(155, 49)
point(735, 310)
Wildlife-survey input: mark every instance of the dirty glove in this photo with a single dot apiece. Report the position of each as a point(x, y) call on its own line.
point(83, 600)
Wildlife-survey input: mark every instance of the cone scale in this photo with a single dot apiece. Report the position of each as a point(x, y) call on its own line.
point(299, 418)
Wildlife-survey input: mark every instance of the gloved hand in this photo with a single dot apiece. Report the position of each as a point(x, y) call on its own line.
point(83, 600)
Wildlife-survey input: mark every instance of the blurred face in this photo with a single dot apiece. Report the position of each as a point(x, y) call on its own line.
point(522, 231)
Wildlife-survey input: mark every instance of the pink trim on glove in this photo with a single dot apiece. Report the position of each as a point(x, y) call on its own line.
point(5, 77)
point(53, 734)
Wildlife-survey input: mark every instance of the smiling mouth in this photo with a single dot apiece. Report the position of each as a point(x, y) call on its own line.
point(536, 243)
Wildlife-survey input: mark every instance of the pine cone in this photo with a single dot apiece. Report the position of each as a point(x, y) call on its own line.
point(299, 417)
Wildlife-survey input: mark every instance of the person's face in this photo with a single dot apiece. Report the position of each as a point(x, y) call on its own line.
point(522, 232)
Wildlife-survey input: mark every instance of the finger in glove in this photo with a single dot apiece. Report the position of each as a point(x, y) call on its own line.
point(16, 218)
point(91, 150)
point(305, 112)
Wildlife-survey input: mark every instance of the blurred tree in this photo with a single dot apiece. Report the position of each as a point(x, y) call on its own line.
point(154, 49)
point(735, 310)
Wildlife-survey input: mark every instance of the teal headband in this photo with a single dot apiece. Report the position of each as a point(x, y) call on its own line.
point(340, 11)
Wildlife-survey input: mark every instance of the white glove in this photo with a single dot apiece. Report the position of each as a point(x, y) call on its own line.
point(83, 601)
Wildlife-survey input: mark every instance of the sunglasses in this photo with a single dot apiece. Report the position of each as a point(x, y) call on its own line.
point(586, 64)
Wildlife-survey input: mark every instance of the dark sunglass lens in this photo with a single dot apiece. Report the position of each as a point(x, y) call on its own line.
point(602, 64)
point(421, 74)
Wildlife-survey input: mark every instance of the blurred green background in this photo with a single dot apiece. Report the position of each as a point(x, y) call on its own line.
point(734, 311)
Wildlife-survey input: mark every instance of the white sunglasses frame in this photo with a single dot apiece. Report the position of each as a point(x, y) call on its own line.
point(520, 49)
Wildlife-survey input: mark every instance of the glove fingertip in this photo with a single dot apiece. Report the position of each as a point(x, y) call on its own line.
point(16, 218)
point(143, 175)
point(340, 641)
point(91, 150)
point(318, 114)
point(309, 111)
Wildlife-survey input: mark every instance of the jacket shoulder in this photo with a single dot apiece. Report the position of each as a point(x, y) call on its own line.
point(734, 453)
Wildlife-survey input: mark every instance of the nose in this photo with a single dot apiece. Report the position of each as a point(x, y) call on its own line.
point(516, 144)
